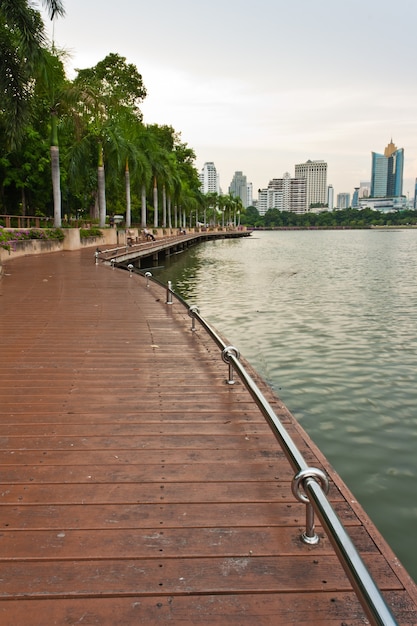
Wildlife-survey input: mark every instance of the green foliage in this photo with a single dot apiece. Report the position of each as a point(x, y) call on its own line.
point(90, 232)
point(346, 218)
point(22, 43)
point(115, 82)
point(44, 234)
point(251, 217)
point(55, 233)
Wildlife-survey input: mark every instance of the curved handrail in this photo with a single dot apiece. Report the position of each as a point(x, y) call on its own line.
point(312, 480)
point(313, 484)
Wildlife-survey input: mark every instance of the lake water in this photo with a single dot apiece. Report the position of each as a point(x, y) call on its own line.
point(329, 319)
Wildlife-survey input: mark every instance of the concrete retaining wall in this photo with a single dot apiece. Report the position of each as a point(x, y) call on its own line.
point(72, 241)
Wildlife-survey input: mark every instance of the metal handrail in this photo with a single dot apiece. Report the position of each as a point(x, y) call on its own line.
point(313, 483)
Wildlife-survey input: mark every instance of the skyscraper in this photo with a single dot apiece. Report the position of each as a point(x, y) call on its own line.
point(209, 178)
point(284, 194)
point(355, 198)
point(239, 188)
point(387, 173)
point(315, 173)
point(343, 200)
point(330, 197)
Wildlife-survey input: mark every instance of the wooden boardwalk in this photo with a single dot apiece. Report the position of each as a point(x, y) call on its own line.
point(136, 487)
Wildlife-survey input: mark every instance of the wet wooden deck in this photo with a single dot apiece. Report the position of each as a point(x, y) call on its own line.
point(136, 487)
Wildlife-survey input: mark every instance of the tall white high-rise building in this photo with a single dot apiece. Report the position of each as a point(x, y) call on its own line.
point(315, 173)
point(209, 178)
point(284, 194)
point(330, 197)
point(250, 194)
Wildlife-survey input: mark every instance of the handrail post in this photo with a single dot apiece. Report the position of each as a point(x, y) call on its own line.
point(315, 483)
point(230, 350)
point(169, 292)
point(193, 309)
point(148, 276)
point(309, 535)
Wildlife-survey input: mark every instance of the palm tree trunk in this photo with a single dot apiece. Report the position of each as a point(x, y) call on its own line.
point(164, 207)
point(56, 185)
point(101, 183)
point(155, 203)
point(169, 208)
point(128, 202)
point(143, 207)
point(55, 171)
point(23, 197)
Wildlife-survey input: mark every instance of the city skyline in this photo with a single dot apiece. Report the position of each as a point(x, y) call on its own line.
point(386, 180)
point(313, 81)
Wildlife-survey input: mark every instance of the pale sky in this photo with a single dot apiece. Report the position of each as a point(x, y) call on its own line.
point(260, 86)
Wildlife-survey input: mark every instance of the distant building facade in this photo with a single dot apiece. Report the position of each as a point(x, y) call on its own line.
point(365, 189)
point(387, 173)
point(284, 194)
point(239, 188)
point(315, 174)
point(249, 194)
point(355, 198)
point(386, 185)
point(209, 178)
point(343, 200)
point(330, 197)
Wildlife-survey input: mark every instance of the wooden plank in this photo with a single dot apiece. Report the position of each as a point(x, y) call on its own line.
point(35, 545)
point(173, 515)
point(148, 493)
point(178, 576)
point(263, 609)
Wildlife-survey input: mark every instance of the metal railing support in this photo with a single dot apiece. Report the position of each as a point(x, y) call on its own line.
point(130, 268)
point(148, 276)
point(309, 535)
point(310, 485)
point(193, 309)
point(230, 350)
point(169, 292)
point(315, 486)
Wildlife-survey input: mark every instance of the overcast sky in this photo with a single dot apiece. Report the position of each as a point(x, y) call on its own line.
point(260, 86)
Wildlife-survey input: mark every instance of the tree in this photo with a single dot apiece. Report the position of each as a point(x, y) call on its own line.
point(53, 87)
point(22, 43)
point(111, 90)
point(251, 216)
point(23, 175)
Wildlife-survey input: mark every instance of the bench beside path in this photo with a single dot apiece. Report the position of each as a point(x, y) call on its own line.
point(136, 487)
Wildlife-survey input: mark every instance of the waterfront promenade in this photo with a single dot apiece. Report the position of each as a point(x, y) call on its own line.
point(136, 486)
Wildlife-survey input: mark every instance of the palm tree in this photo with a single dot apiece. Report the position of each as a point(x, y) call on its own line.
point(52, 85)
point(144, 144)
point(22, 41)
point(113, 90)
